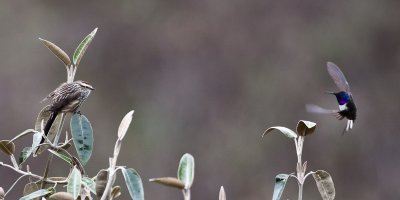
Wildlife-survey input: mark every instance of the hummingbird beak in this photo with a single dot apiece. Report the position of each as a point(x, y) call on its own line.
point(328, 92)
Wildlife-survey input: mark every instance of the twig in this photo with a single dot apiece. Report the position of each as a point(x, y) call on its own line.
point(29, 174)
point(15, 184)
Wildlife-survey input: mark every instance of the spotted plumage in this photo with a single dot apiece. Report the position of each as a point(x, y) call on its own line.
point(66, 98)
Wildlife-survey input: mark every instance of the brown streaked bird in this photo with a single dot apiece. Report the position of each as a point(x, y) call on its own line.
point(66, 98)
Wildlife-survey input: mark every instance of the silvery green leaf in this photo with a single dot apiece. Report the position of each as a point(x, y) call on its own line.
point(325, 184)
point(186, 170)
point(90, 184)
point(287, 132)
point(123, 127)
point(133, 183)
point(82, 135)
point(81, 49)
point(25, 153)
point(280, 183)
point(62, 156)
point(74, 183)
point(38, 193)
point(222, 195)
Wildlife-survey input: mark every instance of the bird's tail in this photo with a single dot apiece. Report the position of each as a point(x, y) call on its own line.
point(349, 126)
point(47, 127)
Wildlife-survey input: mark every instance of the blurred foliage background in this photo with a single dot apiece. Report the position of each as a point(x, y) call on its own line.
point(208, 77)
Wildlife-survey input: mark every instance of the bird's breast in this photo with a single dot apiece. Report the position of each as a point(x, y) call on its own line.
point(343, 107)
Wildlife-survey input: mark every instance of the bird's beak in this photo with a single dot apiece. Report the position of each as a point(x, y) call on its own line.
point(328, 92)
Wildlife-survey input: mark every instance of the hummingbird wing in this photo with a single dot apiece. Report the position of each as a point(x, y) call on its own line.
point(338, 77)
point(317, 109)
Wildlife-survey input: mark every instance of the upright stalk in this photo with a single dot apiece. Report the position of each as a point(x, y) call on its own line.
point(301, 167)
point(186, 194)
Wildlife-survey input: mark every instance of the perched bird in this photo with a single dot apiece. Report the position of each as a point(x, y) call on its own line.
point(66, 98)
point(347, 108)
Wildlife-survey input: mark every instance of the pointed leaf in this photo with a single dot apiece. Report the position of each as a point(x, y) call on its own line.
point(186, 170)
point(62, 156)
point(74, 183)
point(38, 193)
point(29, 188)
point(44, 115)
point(133, 183)
point(90, 184)
point(305, 127)
point(25, 153)
point(325, 184)
point(169, 181)
point(61, 196)
point(222, 195)
point(81, 49)
point(82, 135)
point(7, 147)
point(280, 183)
point(57, 51)
point(287, 132)
point(123, 127)
point(101, 182)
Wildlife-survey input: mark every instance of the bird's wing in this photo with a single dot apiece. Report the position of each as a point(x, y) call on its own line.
point(317, 109)
point(338, 77)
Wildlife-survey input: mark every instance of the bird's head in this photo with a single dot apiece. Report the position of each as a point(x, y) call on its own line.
point(342, 97)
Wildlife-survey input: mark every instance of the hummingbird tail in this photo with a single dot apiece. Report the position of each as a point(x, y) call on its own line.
point(349, 126)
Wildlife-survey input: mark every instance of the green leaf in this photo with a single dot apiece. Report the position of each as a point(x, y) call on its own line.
point(123, 127)
point(222, 195)
point(81, 49)
point(133, 183)
point(57, 51)
point(82, 135)
point(90, 184)
point(38, 193)
point(7, 147)
point(62, 156)
point(325, 184)
point(280, 182)
point(74, 183)
point(186, 170)
point(305, 127)
point(25, 153)
point(287, 132)
point(169, 181)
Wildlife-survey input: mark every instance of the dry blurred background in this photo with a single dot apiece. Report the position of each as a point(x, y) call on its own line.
point(208, 77)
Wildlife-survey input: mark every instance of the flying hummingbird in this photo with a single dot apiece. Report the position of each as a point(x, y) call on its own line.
point(347, 108)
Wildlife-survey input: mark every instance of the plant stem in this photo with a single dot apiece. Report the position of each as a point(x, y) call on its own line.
point(300, 168)
point(186, 194)
point(300, 191)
